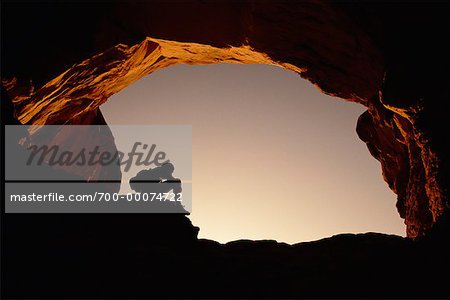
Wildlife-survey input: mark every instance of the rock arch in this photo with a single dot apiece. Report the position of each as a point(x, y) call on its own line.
point(342, 49)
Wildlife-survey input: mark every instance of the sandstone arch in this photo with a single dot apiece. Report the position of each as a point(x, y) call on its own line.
point(334, 46)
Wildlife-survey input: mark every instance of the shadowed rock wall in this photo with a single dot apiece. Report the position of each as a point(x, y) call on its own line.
point(387, 57)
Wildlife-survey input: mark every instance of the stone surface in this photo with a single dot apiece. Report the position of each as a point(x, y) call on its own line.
point(344, 266)
point(390, 57)
point(383, 56)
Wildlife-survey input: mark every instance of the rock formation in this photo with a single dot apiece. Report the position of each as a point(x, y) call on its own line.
point(385, 57)
point(61, 61)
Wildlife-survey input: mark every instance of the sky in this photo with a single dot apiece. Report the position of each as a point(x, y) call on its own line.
point(272, 156)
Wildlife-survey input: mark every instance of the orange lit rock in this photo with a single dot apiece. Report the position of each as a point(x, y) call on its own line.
point(381, 56)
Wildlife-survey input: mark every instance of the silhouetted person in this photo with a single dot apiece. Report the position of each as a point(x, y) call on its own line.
point(160, 180)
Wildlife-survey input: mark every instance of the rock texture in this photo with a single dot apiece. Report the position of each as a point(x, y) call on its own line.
point(77, 93)
point(344, 266)
point(392, 58)
point(382, 56)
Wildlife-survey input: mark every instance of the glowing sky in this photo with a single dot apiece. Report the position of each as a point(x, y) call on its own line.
point(273, 157)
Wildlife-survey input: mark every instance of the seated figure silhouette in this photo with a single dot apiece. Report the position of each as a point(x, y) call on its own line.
point(159, 181)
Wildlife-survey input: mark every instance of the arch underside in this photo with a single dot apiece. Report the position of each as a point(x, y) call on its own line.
point(314, 39)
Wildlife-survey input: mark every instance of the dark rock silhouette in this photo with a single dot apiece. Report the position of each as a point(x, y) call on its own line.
point(385, 56)
point(160, 181)
point(365, 265)
point(390, 57)
point(65, 233)
point(56, 256)
point(162, 174)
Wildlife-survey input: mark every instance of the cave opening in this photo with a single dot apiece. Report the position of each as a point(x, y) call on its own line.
point(273, 157)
